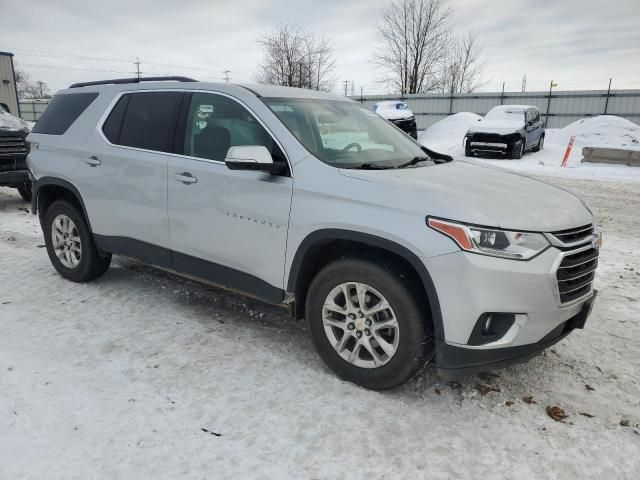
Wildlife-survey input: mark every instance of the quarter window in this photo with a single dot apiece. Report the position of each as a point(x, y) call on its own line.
point(215, 123)
point(62, 111)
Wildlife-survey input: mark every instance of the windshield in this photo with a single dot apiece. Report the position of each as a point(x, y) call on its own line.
point(345, 134)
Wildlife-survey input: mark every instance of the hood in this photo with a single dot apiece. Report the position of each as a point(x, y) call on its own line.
point(495, 126)
point(483, 195)
point(10, 123)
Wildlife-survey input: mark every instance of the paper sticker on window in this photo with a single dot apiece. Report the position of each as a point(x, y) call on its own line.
point(205, 108)
point(201, 124)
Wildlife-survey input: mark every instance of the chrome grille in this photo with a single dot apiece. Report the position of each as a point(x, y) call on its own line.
point(576, 273)
point(10, 146)
point(574, 235)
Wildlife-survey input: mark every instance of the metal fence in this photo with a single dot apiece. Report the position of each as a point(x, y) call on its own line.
point(558, 108)
point(30, 110)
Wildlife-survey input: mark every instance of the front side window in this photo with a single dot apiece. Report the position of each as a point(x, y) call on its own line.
point(344, 134)
point(215, 123)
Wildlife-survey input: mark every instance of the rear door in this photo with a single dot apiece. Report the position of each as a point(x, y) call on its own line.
point(228, 226)
point(123, 181)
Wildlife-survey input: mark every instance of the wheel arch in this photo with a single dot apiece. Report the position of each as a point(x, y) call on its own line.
point(323, 246)
point(47, 190)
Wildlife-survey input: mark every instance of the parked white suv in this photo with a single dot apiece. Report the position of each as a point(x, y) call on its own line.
point(394, 254)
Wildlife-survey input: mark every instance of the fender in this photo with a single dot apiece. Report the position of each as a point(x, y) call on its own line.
point(58, 182)
point(374, 241)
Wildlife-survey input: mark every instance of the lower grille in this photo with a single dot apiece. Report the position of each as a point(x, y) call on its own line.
point(10, 146)
point(576, 273)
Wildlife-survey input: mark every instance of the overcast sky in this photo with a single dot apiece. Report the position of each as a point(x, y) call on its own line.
point(578, 43)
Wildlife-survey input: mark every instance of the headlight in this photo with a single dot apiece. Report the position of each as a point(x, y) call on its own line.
point(488, 241)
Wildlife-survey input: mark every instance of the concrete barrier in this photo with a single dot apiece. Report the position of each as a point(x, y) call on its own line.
point(618, 156)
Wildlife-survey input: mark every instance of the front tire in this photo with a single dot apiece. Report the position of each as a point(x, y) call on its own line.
point(70, 244)
point(518, 150)
point(366, 323)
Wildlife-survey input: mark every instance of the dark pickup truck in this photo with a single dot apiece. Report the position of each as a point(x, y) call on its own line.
point(13, 154)
point(506, 131)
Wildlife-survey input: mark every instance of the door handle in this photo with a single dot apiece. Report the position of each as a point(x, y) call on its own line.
point(92, 161)
point(185, 177)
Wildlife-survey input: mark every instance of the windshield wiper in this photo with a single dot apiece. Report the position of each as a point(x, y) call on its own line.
point(413, 161)
point(372, 166)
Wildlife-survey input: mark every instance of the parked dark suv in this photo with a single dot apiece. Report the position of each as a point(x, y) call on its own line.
point(13, 154)
point(506, 131)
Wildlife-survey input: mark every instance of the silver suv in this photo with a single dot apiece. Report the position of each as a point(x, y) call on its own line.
point(394, 254)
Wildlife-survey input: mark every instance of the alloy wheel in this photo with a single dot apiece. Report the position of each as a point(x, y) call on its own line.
point(360, 325)
point(65, 238)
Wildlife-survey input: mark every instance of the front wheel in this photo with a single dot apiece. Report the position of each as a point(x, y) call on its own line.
point(518, 150)
point(70, 244)
point(366, 323)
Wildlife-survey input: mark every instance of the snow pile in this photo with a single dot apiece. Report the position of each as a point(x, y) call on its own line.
point(9, 122)
point(447, 135)
point(604, 131)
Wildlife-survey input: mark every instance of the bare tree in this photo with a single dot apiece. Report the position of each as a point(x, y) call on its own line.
point(29, 89)
point(462, 67)
point(413, 40)
point(294, 57)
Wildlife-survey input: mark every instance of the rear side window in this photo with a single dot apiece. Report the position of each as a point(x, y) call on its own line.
point(144, 120)
point(62, 111)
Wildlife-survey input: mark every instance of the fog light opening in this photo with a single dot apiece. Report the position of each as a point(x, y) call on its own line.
point(490, 327)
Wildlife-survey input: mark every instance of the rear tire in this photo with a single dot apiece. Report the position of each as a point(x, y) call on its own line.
point(391, 346)
point(25, 191)
point(70, 244)
point(540, 144)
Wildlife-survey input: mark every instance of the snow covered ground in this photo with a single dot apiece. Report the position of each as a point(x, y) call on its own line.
point(143, 375)
point(603, 131)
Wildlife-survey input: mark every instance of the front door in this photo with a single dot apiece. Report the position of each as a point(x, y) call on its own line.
point(229, 227)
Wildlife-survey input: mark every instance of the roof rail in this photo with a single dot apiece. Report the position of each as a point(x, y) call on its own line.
point(132, 80)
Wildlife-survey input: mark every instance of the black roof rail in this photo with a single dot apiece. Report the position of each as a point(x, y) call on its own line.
point(132, 80)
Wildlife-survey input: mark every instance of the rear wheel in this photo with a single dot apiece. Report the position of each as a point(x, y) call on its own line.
point(366, 324)
point(540, 144)
point(70, 244)
point(25, 191)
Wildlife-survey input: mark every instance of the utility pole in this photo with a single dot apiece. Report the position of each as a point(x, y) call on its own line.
point(137, 64)
point(524, 83)
point(546, 119)
point(346, 87)
point(226, 75)
point(606, 104)
point(41, 85)
point(318, 84)
point(502, 95)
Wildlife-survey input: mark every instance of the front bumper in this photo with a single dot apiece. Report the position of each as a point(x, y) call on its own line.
point(407, 125)
point(455, 362)
point(491, 145)
point(14, 178)
point(470, 286)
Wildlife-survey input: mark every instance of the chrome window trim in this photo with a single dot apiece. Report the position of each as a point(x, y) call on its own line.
point(114, 101)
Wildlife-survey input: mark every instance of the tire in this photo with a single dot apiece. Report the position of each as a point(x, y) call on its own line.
point(25, 191)
point(518, 150)
point(410, 334)
point(82, 263)
point(540, 144)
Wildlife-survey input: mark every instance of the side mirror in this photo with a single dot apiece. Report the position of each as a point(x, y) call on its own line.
point(250, 157)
